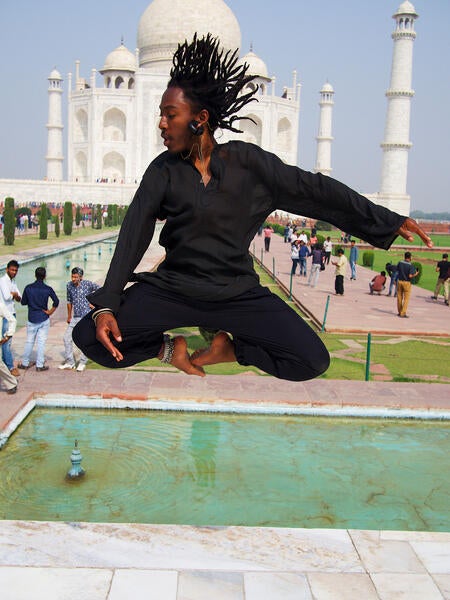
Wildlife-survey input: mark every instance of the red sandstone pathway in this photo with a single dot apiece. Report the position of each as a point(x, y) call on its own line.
point(357, 310)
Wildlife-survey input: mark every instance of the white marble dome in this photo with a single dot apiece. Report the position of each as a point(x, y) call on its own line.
point(256, 65)
point(55, 75)
point(166, 23)
point(327, 87)
point(120, 59)
point(406, 8)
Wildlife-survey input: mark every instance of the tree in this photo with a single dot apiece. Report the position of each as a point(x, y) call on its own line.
point(99, 216)
point(77, 215)
point(9, 222)
point(109, 218)
point(68, 218)
point(57, 225)
point(43, 222)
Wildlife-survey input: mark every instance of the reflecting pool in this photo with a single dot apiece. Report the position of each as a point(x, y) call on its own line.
point(223, 469)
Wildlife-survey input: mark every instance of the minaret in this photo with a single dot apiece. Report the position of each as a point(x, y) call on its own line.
point(54, 156)
point(396, 142)
point(324, 137)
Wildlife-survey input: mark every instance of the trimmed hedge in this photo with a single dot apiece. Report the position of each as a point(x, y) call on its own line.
point(9, 222)
point(43, 222)
point(68, 218)
point(418, 266)
point(368, 258)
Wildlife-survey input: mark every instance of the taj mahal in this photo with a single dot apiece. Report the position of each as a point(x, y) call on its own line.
point(113, 113)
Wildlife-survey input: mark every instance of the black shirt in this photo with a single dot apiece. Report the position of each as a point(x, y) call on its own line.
point(444, 269)
point(208, 230)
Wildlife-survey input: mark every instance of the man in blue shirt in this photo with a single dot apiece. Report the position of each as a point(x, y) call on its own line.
point(77, 306)
point(406, 272)
point(353, 259)
point(36, 296)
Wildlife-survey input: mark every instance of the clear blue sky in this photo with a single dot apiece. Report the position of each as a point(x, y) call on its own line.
point(347, 43)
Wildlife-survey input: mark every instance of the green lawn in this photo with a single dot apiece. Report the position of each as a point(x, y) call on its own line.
point(31, 241)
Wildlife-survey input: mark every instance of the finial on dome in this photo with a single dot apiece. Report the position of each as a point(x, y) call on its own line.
point(251, 46)
point(121, 40)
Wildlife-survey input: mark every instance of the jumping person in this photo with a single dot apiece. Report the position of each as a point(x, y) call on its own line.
point(213, 198)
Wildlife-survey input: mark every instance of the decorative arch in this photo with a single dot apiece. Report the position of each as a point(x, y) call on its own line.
point(80, 166)
point(131, 83)
point(119, 82)
point(80, 126)
point(284, 135)
point(113, 168)
point(252, 132)
point(114, 126)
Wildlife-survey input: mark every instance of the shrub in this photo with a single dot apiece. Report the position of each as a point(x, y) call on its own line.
point(418, 266)
point(43, 224)
point(99, 215)
point(277, 228)
point(368, 258)
point(68, 218)
point(323, 226)
point(9, 222)
point(57, 225)
point(22, 210)
point(77, 215)
point(320, 238)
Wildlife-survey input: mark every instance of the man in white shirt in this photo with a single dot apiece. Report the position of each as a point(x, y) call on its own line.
point(327, 247)
point(5, 374)
point(9, 293)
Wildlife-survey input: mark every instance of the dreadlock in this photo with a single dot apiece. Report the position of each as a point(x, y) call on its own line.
point(211, 79)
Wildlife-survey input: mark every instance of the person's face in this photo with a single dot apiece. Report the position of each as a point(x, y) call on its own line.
point(76, 278)
point(176, 113)
point(12, 271)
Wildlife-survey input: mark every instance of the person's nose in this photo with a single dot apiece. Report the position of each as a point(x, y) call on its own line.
point(162, 123)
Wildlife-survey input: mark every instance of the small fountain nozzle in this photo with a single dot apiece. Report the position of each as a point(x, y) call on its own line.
point(75, 458)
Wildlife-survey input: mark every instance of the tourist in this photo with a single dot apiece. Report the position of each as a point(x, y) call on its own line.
point(295, 247)
point(213, 198)
point(303, 254)
point(406, 272)
point(393, 275)
point(353, 259)
point(378, 283)
point(36, 296)
point(9, 293)
point(77, 306)
point(327, 248)
point(5, 373)
point(443, 268)
point(267, 237)
point(318, 258)
point(341, 266)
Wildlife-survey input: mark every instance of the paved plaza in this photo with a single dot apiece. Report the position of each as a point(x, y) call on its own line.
point(101, 561)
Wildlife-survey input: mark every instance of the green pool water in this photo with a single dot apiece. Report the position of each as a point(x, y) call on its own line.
point(216, 469)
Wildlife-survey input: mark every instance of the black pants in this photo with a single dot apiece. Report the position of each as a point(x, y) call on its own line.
point(339, 284)
point(266, 332)
point(267, 244)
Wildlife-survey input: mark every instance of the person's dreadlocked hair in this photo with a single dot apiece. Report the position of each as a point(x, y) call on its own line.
point(211, 79)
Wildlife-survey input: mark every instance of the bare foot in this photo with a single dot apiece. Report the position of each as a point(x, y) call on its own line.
point(220, 351)
point(181, 358)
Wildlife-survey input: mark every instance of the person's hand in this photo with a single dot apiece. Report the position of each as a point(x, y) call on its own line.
point(106, 326)
point(4, 339)
point(409, 227)
point(15, 296)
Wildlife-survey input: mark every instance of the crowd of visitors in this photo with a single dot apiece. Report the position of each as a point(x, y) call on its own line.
point(41, 302)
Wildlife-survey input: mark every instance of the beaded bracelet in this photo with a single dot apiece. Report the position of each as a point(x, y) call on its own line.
point(168, 349)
